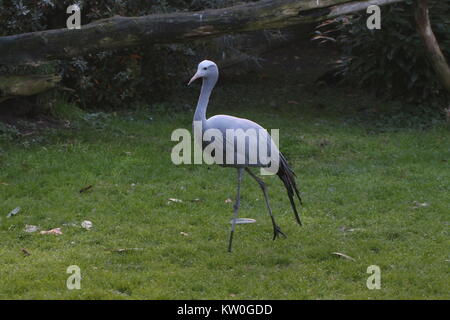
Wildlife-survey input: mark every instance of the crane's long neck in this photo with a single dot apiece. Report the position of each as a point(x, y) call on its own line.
point(205, 93)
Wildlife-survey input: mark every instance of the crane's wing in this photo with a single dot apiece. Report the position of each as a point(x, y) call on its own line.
point(239, 142)
point(229, 147)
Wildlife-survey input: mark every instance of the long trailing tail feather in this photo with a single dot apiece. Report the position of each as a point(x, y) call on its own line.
point(288, 177)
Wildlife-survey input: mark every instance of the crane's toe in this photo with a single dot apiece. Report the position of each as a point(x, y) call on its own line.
point(277, 232)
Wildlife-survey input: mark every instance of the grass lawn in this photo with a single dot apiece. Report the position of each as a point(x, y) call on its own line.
point(361, 185)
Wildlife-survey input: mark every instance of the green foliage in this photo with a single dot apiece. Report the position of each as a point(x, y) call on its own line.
point(391, 60)
point(20, 16)
point(61, 107)
point(8, 132)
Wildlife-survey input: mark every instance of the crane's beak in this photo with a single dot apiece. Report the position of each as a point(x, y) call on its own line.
point(195, 77)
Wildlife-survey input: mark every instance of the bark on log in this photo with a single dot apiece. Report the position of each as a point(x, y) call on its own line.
point(120, 32)
point(433, 50)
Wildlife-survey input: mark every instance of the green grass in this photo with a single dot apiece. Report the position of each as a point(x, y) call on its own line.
point(350, 176)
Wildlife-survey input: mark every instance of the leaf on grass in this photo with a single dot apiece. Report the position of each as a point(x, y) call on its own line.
point(52, 231)
point(126, 250)
point(242, 221)
point(228, 200)
point(184, 234)
point(85, 188)
point(25, 252)
point(174, 200)
point(418, 204)
point(70, 224)
point(13, 212)
point(86, 224)
point(342, 255)
point(30, 228)
point(347, 229)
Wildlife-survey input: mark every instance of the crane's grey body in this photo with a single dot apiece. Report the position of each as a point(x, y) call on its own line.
point(241, 158)
point(209, 72)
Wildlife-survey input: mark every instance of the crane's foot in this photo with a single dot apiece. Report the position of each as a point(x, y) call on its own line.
point(277, 232)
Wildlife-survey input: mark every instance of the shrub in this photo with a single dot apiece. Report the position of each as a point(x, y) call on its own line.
point(392, 60)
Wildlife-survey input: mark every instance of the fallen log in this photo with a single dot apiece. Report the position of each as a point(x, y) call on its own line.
point(27, 85)
point(120, 32)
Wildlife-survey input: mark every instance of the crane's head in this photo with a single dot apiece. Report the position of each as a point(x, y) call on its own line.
point(206, 70)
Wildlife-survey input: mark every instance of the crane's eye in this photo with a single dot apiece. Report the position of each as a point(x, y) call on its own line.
point(205, 68)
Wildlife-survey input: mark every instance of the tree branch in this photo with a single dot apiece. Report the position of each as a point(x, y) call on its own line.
point(433, 50)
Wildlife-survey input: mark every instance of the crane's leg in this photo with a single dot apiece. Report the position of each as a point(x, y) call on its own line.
point(276, 229)
point(236, 207)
